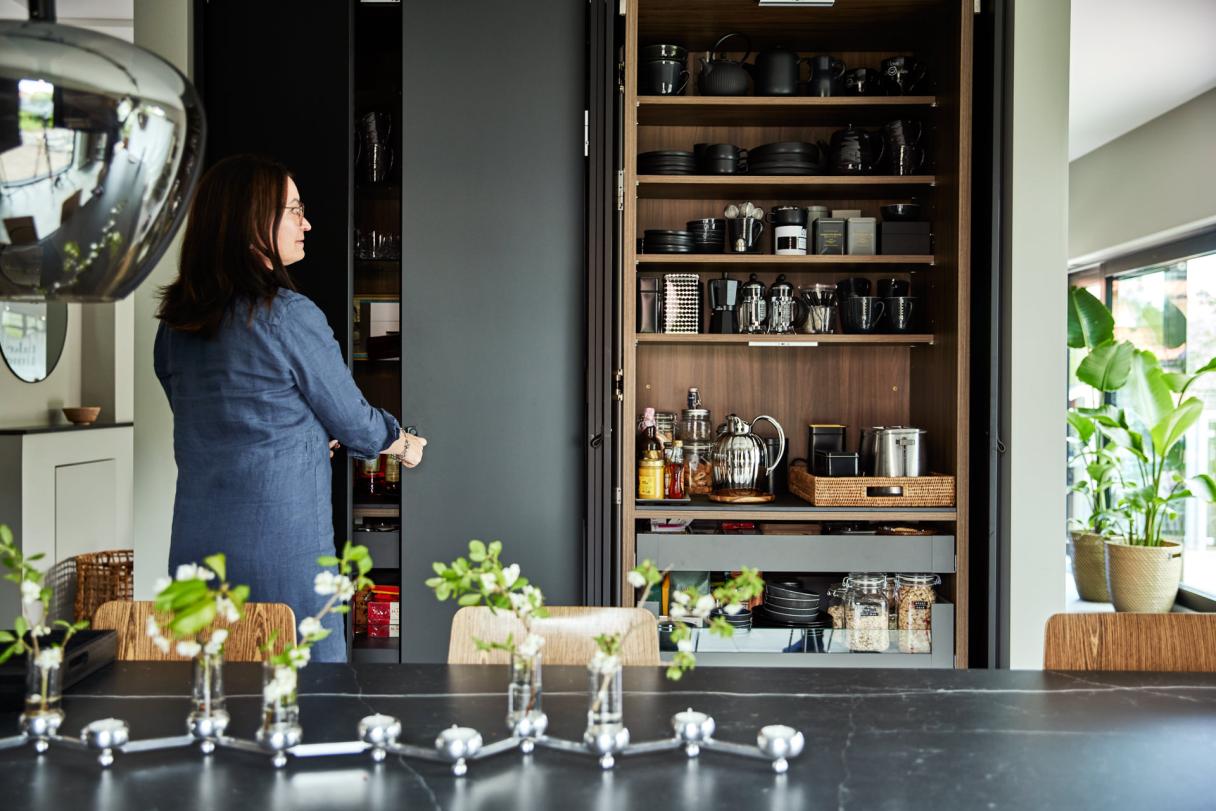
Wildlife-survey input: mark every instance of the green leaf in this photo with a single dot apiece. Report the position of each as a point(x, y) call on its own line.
point(495, 548)
point(1204, 485)
point(443, 591)
point(477, 551)
point(1090, 323)
point(340, 609)
point(239, 595)
point(33, 558)
point(7, 636)
point(469, 599)
point(1148, 393)
point(6, 535)
point(21, 626)
point(364, 565)
point(328, 560)
point(1176, 380)
point(216, 564)
point(1172, 428)
point(194, 618)
point(1084, 427)
point(1107, 367)
point(439, 567)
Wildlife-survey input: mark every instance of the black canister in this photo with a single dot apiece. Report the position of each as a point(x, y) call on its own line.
point(779, 480)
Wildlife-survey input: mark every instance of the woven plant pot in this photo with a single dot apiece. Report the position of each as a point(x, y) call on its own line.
point(1088, 551)
point(1143, 579)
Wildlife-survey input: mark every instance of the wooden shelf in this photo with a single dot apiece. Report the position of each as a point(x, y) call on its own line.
point(784, 111)
point(789, 507)
point(714, 187)
point(780, 340)
point(716, 263)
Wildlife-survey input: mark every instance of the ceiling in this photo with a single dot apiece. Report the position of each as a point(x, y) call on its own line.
point(113, 17)
point(1131, 61)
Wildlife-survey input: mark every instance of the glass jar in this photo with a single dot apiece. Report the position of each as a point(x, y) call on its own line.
point(698, 468)
point(208, 714)
point(43, 712)
point(673, 471)
point(916, 599)
point(867, 613)
point(838, 596)
point(892, 604)
point(606, 714)
point(696, 426)
point(665, 426)
point(650, 476)
point(524, 691)
point(280, 729)
point(370, 474)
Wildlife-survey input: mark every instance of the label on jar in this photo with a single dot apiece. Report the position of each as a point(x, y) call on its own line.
point(789, 240)
point(869, 610)
point(650, 482)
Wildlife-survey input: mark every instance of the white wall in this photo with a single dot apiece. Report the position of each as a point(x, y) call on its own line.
point(163, 27)
point(1035, 339)
point(1153, 183)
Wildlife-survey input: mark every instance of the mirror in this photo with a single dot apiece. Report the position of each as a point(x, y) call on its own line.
point(32, 336)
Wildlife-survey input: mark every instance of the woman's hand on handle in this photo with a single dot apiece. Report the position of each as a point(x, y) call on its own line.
point(408, 448)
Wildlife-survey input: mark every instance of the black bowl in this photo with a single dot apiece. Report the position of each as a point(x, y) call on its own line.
point(901, 212)
point(790, 591)
point(786, 604)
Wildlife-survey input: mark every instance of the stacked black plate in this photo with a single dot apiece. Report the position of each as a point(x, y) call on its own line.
point(790, 604)
point(786, 158)
point(741, 621)
point(667, 162)
point(658, 240)
point(708, 235)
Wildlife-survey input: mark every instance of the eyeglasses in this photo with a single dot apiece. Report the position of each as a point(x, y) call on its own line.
point(298, 211)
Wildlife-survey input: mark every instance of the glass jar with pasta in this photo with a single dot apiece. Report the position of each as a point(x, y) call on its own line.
point(916, 597)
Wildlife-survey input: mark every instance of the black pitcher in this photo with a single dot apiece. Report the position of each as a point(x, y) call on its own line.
point(775, 72)
point(856, 151)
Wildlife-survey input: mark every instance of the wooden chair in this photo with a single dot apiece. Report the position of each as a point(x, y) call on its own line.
point(130, 620)
point(567, 631)
point(1153, 642)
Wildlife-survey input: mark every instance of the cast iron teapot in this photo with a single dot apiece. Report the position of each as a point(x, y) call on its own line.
point(724, 77)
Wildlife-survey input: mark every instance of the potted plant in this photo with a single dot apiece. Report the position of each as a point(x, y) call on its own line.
point(1144, 569)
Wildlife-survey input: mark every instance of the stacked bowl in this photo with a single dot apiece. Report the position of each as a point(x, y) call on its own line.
point(741, 622)
point(789, 603)
point(660, 240)
point(708, 235)
point(786, 158)
point(667, 162)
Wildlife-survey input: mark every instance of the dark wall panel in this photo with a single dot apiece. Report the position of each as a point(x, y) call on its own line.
point(493, 295)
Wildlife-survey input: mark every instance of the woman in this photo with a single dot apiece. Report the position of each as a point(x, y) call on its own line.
point(258, 388)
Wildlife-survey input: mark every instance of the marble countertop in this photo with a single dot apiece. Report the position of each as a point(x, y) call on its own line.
point(875, 739)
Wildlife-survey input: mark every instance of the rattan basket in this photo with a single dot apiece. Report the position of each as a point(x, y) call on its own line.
point(102, 577)
point(861, 491)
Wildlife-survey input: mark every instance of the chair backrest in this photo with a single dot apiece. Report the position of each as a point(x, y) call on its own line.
point(1153, 642)
point(567, 631)
point(245, 638)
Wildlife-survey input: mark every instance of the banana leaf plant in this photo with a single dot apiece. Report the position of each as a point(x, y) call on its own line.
point(1147, 433)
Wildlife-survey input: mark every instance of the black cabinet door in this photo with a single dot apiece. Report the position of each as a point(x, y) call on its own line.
point(493, 299)
point(277, 81)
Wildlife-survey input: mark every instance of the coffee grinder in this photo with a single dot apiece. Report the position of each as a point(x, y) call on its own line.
point(723, 298)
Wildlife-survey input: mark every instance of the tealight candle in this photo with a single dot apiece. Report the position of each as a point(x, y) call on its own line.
point(692, 728)
point(379, 731)
point(780, 742)
point(456, 744)
point(105, 734)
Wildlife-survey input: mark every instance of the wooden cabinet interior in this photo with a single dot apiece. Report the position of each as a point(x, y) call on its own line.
point(881, 382)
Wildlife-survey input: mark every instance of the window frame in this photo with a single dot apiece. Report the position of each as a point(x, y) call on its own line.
point(1129, 265)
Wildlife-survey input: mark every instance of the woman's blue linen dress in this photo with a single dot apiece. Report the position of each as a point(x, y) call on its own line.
point(254, 408)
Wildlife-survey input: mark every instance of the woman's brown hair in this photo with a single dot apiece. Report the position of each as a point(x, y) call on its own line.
point(230, 239)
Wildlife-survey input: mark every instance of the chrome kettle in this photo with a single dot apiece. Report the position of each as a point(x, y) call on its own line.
point(739, 455)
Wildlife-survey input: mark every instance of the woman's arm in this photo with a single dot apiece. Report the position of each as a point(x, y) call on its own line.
point(326, 384)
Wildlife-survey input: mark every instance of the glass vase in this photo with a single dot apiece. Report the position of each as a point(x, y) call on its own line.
point(524, 690)
point(208, 716)
point(280, 729)
point(606, 713)
point(42, 714)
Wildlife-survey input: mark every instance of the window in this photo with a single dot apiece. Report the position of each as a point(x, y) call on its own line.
point(1168, 306)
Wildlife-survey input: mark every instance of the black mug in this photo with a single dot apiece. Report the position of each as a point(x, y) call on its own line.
point(893, 288)
point(662, 77)
point(862, 314)
point(902, 75)
point(906, 159)
point(862, 82)
point(847, 288)
point(743, 235)
point(901, 313)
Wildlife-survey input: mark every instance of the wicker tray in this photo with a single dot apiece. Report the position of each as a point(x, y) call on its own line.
point(858, 491)
point(102, 577)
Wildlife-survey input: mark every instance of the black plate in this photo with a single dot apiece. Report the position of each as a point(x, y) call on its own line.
point(775, 619)
point(785, 148)
point(666, 249)
point(791, 605)
point(666, 153)
point(791, 591)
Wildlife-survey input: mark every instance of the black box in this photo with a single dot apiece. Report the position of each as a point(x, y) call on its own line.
point(829, 236)
point(830, 463)
point(650, 304)
point(905, 238)
point(825, 438)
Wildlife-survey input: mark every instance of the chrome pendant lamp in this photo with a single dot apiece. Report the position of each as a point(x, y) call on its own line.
point(101, 145)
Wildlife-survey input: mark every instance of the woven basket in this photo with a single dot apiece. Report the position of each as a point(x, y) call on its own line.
point(1143, 579)
point(1088, 551)
point(858, 491)
point(102, 577)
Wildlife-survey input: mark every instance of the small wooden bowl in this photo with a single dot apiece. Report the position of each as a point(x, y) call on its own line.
point(84, 415)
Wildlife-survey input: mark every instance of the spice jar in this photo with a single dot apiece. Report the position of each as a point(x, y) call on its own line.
point(916, 598)
point(673, 471)
point(696, 426)
point(698, 468)
point(650, 476)
point(866, 613)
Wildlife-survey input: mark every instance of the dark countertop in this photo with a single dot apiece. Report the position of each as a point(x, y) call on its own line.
point(875, 739)
point(48, 428)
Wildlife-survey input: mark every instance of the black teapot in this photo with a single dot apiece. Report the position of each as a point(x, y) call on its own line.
point(856, 151)
point(724, 77)
point(775, 72)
